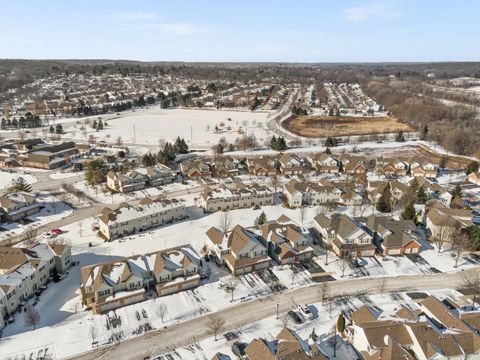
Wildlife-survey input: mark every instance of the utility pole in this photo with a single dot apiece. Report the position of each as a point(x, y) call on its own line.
point(191, 135)
point(134, 135)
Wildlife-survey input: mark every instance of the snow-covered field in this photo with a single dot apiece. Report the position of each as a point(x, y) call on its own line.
point(197, 127)
point(7, 177)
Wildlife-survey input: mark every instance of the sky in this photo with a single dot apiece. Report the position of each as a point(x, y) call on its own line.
point(242, 30)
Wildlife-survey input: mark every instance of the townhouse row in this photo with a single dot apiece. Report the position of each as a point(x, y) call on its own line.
point(25, 271)
point(243, 250)
point(129, 219)
point(140, 178)
point(110, 285)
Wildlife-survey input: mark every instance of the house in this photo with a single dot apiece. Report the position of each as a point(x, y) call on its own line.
point(325, 163)
point(241, 196)
point(437, 333)
point(241, 250)
point(140, 178)
point(16, 206)
point(286, 346)
point(286, 241)
point(393, 237)
point(291, 164)
point(443, 221)
point(196, 169)
point(376, 188)
point(125, 183)
point(108, 286)
point(391, 167)
point(423, 168)
point(435, 191)
point(25, 270)
point(354, 165)
point(474, 178)
point(262, 166)
point(348, 237)
point(129, 219)
point(224, 167)
point(297, 193)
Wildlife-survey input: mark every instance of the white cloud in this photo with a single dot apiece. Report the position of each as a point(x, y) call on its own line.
point(133, 16)
point(377, 11)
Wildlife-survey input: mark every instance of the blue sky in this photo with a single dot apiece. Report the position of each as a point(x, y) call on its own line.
point(242, 30)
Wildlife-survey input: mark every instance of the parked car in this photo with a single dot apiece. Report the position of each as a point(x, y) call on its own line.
point(305, 311)
point(47, 235)
point(56, 231)
point(297, 319)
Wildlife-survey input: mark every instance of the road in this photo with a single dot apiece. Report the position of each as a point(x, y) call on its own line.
point(183, 334)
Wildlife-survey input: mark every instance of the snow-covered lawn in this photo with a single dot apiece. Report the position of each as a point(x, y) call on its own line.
point(196, 126)
point(64, 175)
point(6, 178)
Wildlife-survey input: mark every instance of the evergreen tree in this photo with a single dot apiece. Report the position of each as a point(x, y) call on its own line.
point(384, 202)
point(4, 123)
point(422, 196)
point(313, 335)
point(341, 323)
point(472, 167)
point(181, 146)
point(331, 142)
point(94, 124)
point(55, 275)
point(328, 151)
point(261, 219)
point(149, 160)
point(100, 125)
point(59, 129)
point(409, 212)
point(20, 184)
point(457, 191)
point(400, 137)
point(52, 130)
point(424, 133)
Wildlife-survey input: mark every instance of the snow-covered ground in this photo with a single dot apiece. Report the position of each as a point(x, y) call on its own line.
point(53, 209)
point(65, 175)
point(325, 318)
point(197, 127)
point(6, 178)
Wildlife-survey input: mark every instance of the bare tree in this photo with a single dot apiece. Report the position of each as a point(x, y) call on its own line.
point(303, 212)
point(93, 333)
point(471, 283)
point(328, 250)
point(215, 323)
point(444, 235)
point(231, 284)
point(162, 311)
point(30, 235)
point(284, 318)
point(275, 182)
point(460, 245)
point(119, 141)
point(225, 222)
point(382, 286)
point(343, 263)
point(32, 317)
point(324, 293)
point(293, 276)
point(332, 339)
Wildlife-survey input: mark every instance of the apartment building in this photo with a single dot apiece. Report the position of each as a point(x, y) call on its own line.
point(130, 219)
point(108, 286)
point(241, 196)
point(25, 271)
point(16, 206)
point(241, 250)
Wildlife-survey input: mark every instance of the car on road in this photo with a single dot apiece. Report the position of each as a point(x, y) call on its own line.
point(56, 231)
point(297, 319)
point(305, 311)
